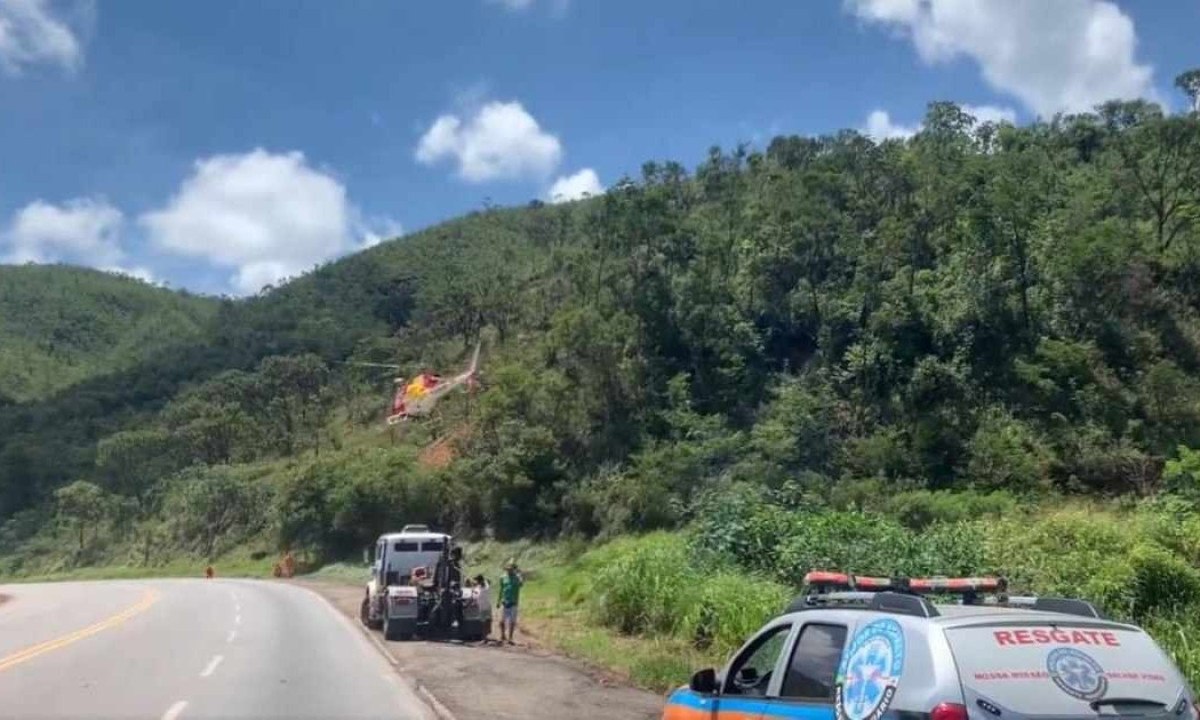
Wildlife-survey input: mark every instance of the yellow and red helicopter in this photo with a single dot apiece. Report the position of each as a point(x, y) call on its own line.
point(415, 397)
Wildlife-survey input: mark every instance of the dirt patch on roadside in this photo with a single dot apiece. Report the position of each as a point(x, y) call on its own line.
point(506, 683)
point(3, 599)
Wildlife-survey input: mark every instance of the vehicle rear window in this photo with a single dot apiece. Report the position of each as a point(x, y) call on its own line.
point(1061, 668)
point(406, 547)
point(812, 670)
point(432, 545)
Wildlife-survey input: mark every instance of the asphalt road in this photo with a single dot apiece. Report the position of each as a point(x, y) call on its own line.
point(180, 649)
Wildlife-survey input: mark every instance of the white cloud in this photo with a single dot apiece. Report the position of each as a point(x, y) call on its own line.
point(880, 127)
point(84, 231)
point(879, 123)
point(1065, 55)
point(991, 114)
point(376, 230)
point(141, 273)
point(266, 216)
point(574, 187)
point(30, 34)
point(500, 141)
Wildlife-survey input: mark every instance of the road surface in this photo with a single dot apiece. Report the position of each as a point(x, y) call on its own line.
point(182, 649)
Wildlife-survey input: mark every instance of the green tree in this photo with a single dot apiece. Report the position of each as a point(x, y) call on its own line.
point(296, 400)
point(206, 505)
point(82, 503)
point(1189, 83)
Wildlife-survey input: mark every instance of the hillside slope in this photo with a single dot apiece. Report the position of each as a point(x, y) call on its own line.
point(997, 307)
point(60, 325)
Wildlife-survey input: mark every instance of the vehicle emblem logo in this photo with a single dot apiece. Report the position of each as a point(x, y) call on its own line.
point(1077, 674)
point(870, 671)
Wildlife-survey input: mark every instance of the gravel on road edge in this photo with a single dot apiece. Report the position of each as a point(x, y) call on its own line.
point(496, 682)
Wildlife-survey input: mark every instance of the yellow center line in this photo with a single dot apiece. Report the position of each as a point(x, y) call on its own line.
point(33, 651)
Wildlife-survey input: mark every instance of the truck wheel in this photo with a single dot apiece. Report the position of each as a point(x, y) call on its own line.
point(365, 612)
point(391, 630)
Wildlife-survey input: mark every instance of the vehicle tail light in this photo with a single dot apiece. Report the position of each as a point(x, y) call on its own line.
point(948, 711)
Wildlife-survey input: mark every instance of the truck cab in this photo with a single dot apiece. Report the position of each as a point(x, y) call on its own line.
point(402, 588)
point(398, 554)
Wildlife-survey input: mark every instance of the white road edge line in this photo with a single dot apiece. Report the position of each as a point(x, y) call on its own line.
point(439, 710)
point(175, 710)
point(232, 635)
point(212, 665)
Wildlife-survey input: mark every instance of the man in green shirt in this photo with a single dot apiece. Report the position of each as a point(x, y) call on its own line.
point(510, 595)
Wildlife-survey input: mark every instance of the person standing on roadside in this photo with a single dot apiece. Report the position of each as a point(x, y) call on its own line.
point(510, 596)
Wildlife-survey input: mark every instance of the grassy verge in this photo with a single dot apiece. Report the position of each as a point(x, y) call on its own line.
point(562, 605)
point(238, 563)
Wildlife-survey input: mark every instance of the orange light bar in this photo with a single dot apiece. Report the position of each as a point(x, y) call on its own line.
point(916, 585)
point(818, 577)
point(980, 584)
point(872, 583)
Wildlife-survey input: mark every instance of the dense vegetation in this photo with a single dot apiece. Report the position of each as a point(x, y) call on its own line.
point(826, 327)
point(60, 325)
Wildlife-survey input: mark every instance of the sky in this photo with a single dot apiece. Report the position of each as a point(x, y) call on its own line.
point(221, 147)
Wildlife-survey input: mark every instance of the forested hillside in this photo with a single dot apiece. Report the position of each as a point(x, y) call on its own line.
point(60, 325)
point(832, 320)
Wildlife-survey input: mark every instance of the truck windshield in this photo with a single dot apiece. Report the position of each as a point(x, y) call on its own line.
point(432, 545)
point(405, 547)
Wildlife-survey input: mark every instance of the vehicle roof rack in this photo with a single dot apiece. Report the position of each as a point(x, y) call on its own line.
point(906, 596)
point(886, 601)
point(1066, 606)
point(969, 587)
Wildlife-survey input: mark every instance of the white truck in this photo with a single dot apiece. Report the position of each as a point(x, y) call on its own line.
point(417, 588)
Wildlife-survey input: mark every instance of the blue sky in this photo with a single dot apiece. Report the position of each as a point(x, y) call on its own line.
point(222, 146)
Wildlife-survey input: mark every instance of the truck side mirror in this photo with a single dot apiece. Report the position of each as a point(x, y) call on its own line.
point(704, 681)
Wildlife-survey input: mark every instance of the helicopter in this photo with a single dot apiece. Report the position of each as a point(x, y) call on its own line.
point(416, 397)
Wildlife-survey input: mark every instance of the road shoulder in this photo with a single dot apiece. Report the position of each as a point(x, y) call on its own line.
point(473, 681)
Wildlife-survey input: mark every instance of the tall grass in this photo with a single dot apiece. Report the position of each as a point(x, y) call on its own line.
point(652, 586)
point(1137, 565)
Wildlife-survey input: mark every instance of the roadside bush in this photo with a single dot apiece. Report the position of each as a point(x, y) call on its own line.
point(652, 586)
point(1178, 632)
point(1181, 475)
point(739, 524)
point(848, 541)
point(918, 509)
point(1162, 581)
point(729, 607)
point(648, 589)
point(946, 549)
point(869, 494)
point(1073, 553)
point(1006, 453)
point(1172, 522)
